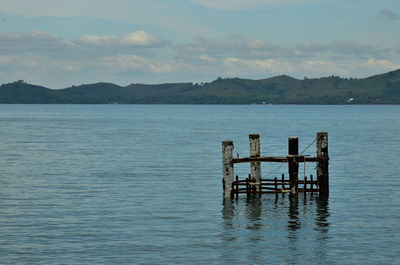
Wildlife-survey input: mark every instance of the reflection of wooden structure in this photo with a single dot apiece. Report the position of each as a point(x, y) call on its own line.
point(254, 184)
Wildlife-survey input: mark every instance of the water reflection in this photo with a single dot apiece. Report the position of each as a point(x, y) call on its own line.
point(293, 225)
point(228, 213)
point(321, 219)
point(253, 213)
point(293, 214)
point(228, 235)
point(288, 227)
point(322, 226)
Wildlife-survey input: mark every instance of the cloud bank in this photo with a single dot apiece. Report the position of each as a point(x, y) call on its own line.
point(139, 56)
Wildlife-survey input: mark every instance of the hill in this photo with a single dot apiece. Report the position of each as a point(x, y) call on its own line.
point(378, 89)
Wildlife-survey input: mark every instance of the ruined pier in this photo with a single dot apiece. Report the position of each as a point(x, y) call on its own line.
point(255, 184)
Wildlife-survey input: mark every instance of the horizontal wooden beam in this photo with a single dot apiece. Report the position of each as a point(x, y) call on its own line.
point(262, 192)
point(278, 159)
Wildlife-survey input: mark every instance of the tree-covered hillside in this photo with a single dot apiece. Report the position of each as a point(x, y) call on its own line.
point(378, 89)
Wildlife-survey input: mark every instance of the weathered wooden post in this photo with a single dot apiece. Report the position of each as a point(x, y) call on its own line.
point(227, 167)
point(323, 163)
point(255, 167)
point(305, 186)
point(293, 164)
point(312, 184)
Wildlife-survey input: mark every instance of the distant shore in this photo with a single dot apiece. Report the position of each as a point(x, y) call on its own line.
point(377, 89)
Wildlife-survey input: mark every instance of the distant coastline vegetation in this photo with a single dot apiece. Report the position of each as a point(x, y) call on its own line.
point(378, 89)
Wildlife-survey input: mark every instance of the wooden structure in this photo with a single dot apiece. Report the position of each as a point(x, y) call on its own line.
point(255, 184)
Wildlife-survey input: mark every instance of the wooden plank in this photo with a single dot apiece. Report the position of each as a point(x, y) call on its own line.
point(269, 188)
point(279, 180)
point(276, 159)
point(308, 182)
point(272, 184)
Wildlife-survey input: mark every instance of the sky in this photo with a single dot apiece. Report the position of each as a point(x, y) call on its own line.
point(58, 43)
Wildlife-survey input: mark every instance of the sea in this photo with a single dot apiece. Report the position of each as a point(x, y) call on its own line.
point(142, 184)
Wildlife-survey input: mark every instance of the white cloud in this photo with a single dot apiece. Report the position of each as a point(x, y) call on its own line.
point(343, 48)
point(269, 66)
point(313, 68)
point(139, 38)
point(256, 44)
point(96, 40)
point(323, 68)
point(205, 58)
point(237, 41)
point(133, 62)
point(69, 66)
point(30, 42)
point(318, 64)
point(381, 64)
point(255, 48)
point(18, 61)
point(374, 62)
point(232, 45)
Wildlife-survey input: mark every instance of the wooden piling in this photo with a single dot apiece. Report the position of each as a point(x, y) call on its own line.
point(293, 150)
point(255, 167)
point(312, 184)
point(323, 163)
point(305, 186)
point(293, 146)
point(227, 167)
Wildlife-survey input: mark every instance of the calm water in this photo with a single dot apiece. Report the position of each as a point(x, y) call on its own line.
point(141, 184)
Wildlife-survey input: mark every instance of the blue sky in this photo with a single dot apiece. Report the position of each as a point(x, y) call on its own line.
point(62, 43)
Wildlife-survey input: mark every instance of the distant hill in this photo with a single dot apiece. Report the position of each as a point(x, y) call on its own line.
point(378, 89)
